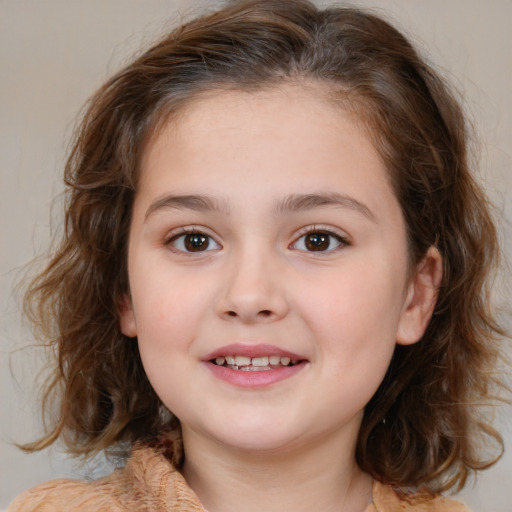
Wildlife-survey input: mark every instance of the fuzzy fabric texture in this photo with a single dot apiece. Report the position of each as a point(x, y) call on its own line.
point(150, 483)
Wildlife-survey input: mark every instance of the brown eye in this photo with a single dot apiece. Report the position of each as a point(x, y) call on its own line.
point(193, 242)
point(317, 242)
point(196, 242)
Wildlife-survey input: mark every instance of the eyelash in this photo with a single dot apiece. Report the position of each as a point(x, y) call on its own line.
point(183, 233)
point(341, 240)
point(331, 235)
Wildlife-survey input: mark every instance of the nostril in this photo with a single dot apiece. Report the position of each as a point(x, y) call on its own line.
point(231, 313)
point(265, 312)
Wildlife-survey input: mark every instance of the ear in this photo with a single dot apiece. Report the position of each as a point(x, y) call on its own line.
point(420, 298)
point(127, 320)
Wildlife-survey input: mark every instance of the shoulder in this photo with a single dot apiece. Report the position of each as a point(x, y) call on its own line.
point(66, 495)
point(386, 499)
point(147, 482)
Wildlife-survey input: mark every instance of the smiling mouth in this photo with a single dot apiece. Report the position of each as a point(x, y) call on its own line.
point(255, 364)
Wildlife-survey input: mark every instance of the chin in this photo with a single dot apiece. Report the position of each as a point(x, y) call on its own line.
point(255, 438)
point(261, 446)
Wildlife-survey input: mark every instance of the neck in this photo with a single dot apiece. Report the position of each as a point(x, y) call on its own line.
point(317, 477)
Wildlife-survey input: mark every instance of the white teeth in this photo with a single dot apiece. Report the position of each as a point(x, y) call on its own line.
point(259, 361)
point(242, 361)
point(255, 363)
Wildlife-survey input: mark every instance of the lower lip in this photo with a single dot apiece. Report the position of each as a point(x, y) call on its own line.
point(255, 379)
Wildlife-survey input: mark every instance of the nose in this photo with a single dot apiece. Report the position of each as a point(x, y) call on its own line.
point(253, 291)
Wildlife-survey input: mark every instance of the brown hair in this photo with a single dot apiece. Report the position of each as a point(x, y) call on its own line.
point(420, 429)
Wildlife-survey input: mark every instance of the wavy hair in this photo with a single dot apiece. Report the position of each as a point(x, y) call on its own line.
point(421, 429)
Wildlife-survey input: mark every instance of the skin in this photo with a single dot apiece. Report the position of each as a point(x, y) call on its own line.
point(342, 308)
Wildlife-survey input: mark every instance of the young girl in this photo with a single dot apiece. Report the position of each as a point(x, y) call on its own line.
point(272, 285)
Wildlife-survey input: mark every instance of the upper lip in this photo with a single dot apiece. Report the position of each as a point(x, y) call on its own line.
point(251, 350)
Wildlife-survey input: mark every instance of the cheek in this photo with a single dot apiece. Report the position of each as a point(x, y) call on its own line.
point(167, 318)
point(357, 312)
point(166, 314)
point(165, 293)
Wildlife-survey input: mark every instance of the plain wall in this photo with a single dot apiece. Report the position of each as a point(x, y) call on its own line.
point(55, 53)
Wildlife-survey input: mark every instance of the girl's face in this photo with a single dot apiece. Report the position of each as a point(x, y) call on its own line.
point(268, 270)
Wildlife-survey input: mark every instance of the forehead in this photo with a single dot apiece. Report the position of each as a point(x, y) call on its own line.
point(264, 147)
point(233, 109)
point(291, 120)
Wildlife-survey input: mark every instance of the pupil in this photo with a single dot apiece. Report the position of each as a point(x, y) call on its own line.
point(196, 242)
point(317, 242)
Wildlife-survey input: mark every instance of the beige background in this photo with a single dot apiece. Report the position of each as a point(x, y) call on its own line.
point(54, 53)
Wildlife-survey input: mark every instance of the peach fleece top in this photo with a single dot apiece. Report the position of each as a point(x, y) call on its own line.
point(149, 483)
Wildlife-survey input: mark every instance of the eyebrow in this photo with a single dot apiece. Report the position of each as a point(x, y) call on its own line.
point(290, 204)
point(304, 202)
point(201, 203)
